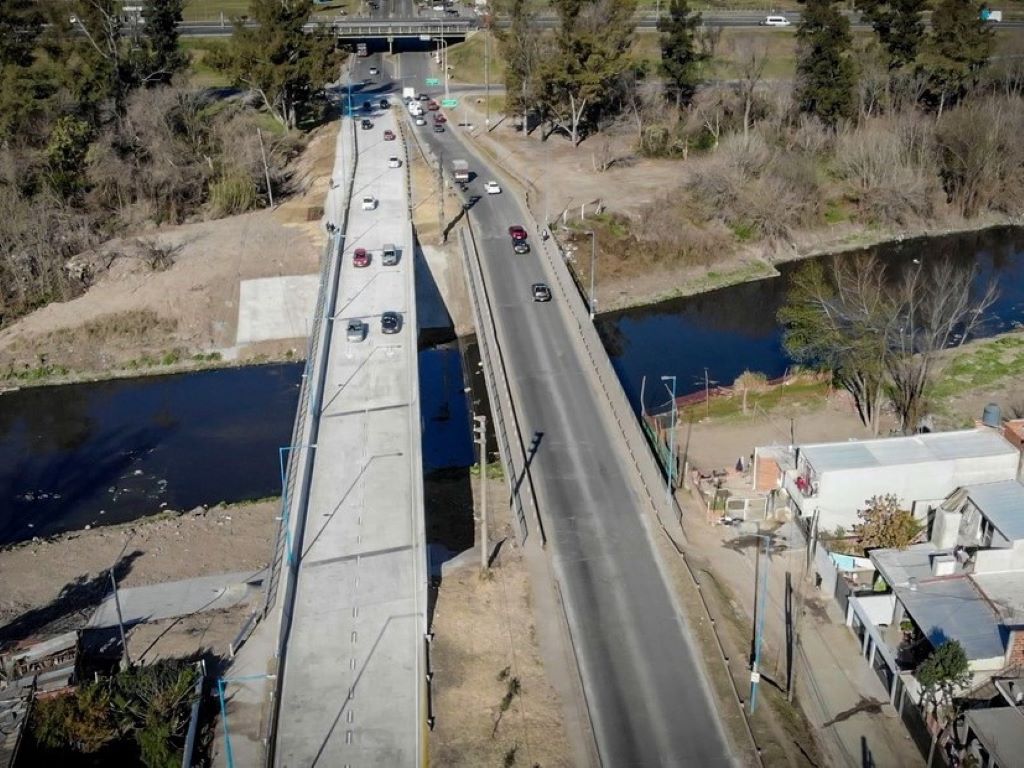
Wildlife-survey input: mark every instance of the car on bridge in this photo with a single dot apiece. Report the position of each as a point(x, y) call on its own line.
point(389, 135)
point(520, 246)
point(356, 330)
point(374, 71)
point(516, 232)
point(389, 255)
point(492, 188)
point(367, 124)
point(420, 121)
point(361, 258)
point(369, 203)
point(433, 106)
point(438, 128)
point(540, 292)
point(394, 162)
point(439, 118)
point(390, 323)
point(385, 104)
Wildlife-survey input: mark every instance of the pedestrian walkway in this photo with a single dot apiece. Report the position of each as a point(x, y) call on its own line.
point(839, 693)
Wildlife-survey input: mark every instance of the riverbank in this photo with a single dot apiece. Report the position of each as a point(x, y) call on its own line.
point(566, 186)
point(168, 300)
point(53, 584)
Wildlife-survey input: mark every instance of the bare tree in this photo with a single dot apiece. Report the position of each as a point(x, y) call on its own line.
point(751, 70)
point(935, 309)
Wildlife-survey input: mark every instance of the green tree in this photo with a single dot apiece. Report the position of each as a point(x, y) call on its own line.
point(884, 524)
point(591, 53)
point(899, 26)
point(161, 33)
point(81, 721)
point(943, 675)
point(825, 71)
point(280, 61)
point(65, 155)
point(957, 51)
point(518, 45)
point(682, 58)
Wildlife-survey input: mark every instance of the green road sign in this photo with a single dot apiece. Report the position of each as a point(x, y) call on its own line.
point(433, 81)
point(449, 103)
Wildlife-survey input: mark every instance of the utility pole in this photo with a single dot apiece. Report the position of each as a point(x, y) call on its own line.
point(481, 433)
point(762, 599)
point(266, 170)
point(440, 196)
point(126, 659)
point(670, 465)
point(707, 394)
point(487, 84)
point(593, 272)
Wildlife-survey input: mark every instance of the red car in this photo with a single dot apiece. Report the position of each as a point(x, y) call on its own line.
point(389, 135)
point(433, 106)
point(517, 233)
point(439, 118)
point(361, 258)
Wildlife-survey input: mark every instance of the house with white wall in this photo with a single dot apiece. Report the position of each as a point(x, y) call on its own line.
point(834, 480)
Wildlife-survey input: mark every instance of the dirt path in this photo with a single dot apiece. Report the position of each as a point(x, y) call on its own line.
point(50, 586)
point(135, 318)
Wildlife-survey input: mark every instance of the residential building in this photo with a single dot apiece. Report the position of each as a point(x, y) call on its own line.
point(834, 480)
point(993, 733)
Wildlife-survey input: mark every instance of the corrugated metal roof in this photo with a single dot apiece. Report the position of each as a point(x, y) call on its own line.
point(898, 566)
point(1003, 505)
point(913, 449)
point(1001, 730)
point(953, 609)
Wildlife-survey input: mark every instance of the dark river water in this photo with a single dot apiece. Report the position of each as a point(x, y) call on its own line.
point(90, 454)
point(734, 329)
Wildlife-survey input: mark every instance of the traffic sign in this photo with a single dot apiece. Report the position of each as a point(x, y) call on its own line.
point(449, 103)
point(433, 81)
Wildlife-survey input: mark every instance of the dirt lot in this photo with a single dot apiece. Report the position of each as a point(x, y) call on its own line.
point(52, 585)
point(135, 317)
point(492, 702)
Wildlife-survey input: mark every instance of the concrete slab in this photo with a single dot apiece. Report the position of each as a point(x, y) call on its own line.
point(272, 308)
point(177, 598)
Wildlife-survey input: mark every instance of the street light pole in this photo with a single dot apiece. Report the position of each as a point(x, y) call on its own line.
point(671, 463)
point(481, 433)
point(593, 268)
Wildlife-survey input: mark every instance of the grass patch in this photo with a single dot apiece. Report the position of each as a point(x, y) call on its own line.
point(495, 471)
point(201, 74)
point(211, 10)
point(807, 394)
point(467, 60)
point(985, 364)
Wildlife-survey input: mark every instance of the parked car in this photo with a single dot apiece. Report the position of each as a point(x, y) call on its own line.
point(367, 124)
point(775, 21)
point(360, 257)
point(394, 162)
point(356, 330)
point(438, 128)
point(516, 232)
point(520, 246)
point(389, 135)
point(390, 322)
point(389, 255)
point(540, 292)
point(369, 203)
point(492, 188)
point(420, 121)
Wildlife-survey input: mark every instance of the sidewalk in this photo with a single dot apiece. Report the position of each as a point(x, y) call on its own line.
point(839, 693)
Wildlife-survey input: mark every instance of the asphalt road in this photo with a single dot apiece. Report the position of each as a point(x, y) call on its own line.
point(644, 686)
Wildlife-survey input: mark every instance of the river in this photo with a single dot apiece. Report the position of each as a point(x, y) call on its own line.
point(733, 329)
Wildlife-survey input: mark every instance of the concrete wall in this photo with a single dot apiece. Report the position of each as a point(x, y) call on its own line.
point(842, 492)
point(878, 609)
point(1000, 560)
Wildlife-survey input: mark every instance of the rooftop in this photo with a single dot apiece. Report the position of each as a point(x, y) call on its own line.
point(1003, 505)
point(1005, 591)
point(898, 566)
point(913, 449)
point(1001, 730)
point(952, 608)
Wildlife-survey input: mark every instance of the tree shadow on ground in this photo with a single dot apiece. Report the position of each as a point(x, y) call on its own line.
point(70, 609)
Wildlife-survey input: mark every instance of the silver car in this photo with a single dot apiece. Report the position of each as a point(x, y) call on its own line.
point(356, 330)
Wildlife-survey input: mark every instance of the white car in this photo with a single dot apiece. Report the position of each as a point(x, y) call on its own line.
point(374, 71)
point(394, 162)
point(420, 121)
point(776, 21)
point(492, 188)
point(369, 203)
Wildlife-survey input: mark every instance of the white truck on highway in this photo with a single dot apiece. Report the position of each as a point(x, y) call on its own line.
point(460, 171)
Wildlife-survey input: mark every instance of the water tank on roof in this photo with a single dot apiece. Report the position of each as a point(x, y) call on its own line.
point(991, 416)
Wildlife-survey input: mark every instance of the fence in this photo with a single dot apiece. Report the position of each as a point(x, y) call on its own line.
point(193, 720)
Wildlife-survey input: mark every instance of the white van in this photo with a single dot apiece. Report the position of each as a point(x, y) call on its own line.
point(775, 21)
point(415, 109)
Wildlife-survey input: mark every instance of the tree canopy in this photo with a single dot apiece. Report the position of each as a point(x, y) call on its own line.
point(681, 55)
point(825, 70)
point(884, 524)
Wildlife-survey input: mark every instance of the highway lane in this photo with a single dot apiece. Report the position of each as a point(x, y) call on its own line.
point(644, 685)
